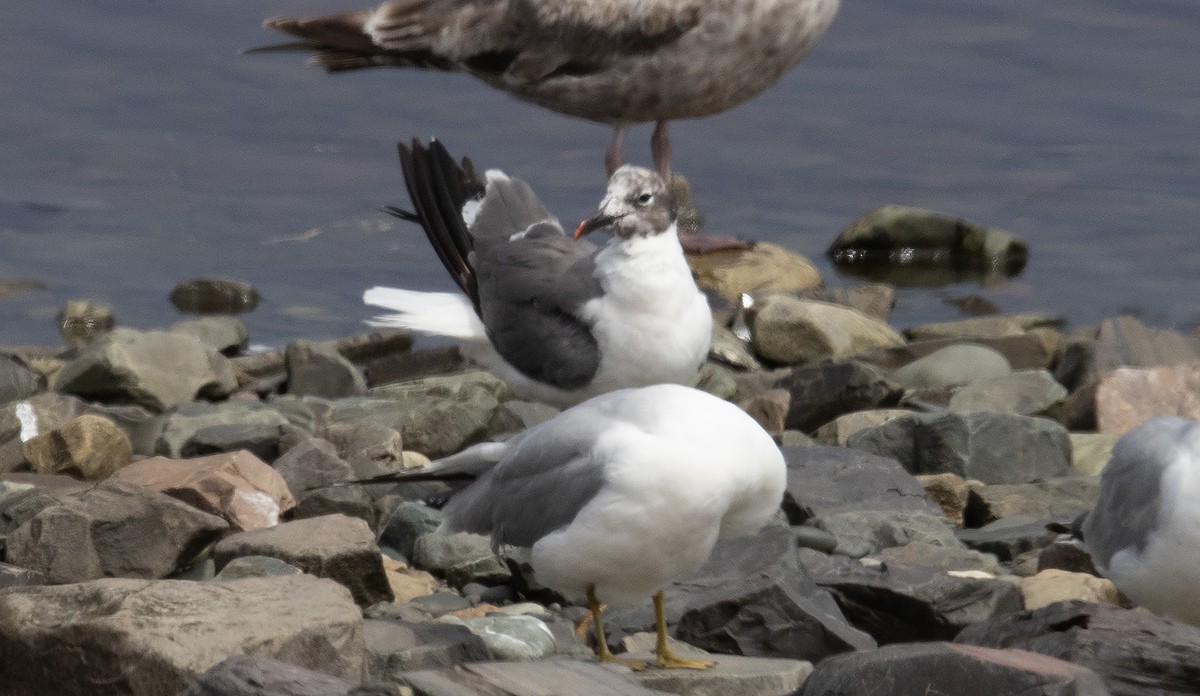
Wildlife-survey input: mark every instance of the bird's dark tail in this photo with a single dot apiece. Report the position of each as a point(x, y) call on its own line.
point(439, 188)
point(340, 42)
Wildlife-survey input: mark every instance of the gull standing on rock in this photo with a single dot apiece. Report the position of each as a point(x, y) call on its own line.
point(1144, 531)
point(617, 62)
point(619, 496)
point(558, 318)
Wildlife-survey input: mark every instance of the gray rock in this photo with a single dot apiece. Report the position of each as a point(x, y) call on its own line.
point(920, 669)
point(18, 380)
point(827, 480)
point(81, 322)
point(898, 603)
point(514, 637)
point(837, 431)
point(21, 420)
point(408, 522)
point(860, 532)
point(1066, 555)
point(873, 299)
point(397, 647)
point(960, 363)
point(351, 501)
point(312, 463)
point(997, 325)
point(14, 576)
point(246, 675)
point(115, 529)
point(727, 349)
point(824, 392)
point(142, 426)
point(371, 449)
point(1009, 537)
point(460, 558)
point(1135, 652)
point(788, 330)
point(1061, 499)
point(154, 369)
point(525, 679)
point(990, 447)
point(716, 379)
point(335, 546)
point(154, 637)
point(214, 296)
point(256, 567)
point(88, 447)
point(318, 369)
point(761, 676)
point(1026, 351)
point(1028, 392)
point(1126, 342)
point(938, 556)
point(224, 334)
point(180, 425)
point(260, 439)
point(439, 603)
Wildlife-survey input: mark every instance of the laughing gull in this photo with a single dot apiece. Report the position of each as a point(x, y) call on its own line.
point(1144, 532)
point(558, 318)
point(617, 62)
point(619, 496)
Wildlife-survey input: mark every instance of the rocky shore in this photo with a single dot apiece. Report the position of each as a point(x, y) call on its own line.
point(169, 522)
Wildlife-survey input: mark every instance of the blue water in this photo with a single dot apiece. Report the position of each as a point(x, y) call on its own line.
point(141, 149)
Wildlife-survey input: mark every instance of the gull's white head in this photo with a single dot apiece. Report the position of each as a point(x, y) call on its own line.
point(636, 204)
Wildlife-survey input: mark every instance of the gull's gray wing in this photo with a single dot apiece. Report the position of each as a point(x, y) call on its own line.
point(548, 474)
point(1131, 486)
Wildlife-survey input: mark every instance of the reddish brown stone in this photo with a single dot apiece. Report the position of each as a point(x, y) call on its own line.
point(1128, 397)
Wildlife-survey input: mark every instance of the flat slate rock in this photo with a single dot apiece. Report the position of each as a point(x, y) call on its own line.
point(731, 676)
point(527, 679)
point(247, 675)
point(946, 669)
point(1135, 652)
point(826, 480)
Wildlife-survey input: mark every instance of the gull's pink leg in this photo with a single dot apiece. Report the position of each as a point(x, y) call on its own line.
point(614, 156)
point(660, 150)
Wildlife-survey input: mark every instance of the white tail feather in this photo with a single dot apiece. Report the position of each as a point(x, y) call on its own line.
point(442, 313)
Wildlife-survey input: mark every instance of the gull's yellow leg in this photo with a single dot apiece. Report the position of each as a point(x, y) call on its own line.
point(602, 651)
point(666, 658)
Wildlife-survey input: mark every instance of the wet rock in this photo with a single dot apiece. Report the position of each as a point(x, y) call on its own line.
point(828, 480)
point(256, 567)
point(526, 679)
point(246, 675)
point(790, 331)
point(956, 364)
point(1055, 499)
point(1090, 452)
point(824, 392)
point(87, 447)
point(839, 430)
point(154, 369)
point(1027, 392)
point(335, 546)
point(860, 532)
point(260, 439)
point(1127, 397)
point(18, 380)
point(154, 637)
point(397, 647)
point(949, 491)
point(762, 268)
point(988, 446)
point(214, 296)
point(224, 334)
point(1051, 586)
point(181, 425)
point(920, 669)
point(898, 603)
point(906, 245)
point(81, 322)
point(1009, 537)
point(1135, 652)
point(732, 674)
point(513, 637)
point(318, 369)
point(460, 558)
point(237, 486)
point(115, 529)
point(999, 325)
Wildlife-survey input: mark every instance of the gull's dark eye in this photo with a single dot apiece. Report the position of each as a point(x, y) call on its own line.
point(645, 198)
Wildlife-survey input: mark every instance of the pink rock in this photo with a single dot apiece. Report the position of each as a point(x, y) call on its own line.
point(1127, 397)
point(236, 485)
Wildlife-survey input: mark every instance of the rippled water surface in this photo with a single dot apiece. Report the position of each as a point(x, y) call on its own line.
point(141, 149)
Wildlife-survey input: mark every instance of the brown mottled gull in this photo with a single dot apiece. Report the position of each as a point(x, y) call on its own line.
point(618, 62)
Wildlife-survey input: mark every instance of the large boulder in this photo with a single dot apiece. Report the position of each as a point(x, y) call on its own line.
point(155, 369)
point(152, 638)
point(792, 331)
point(826, 480)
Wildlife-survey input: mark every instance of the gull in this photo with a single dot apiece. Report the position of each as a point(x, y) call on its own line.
point(619, 496)
point(1144, 531)
point(617, 62)
point(557, 317)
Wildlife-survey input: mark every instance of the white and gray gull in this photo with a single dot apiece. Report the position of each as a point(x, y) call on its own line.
point(1144, 531)
point(558, 318)
point(619, 496)
point(617, 62)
